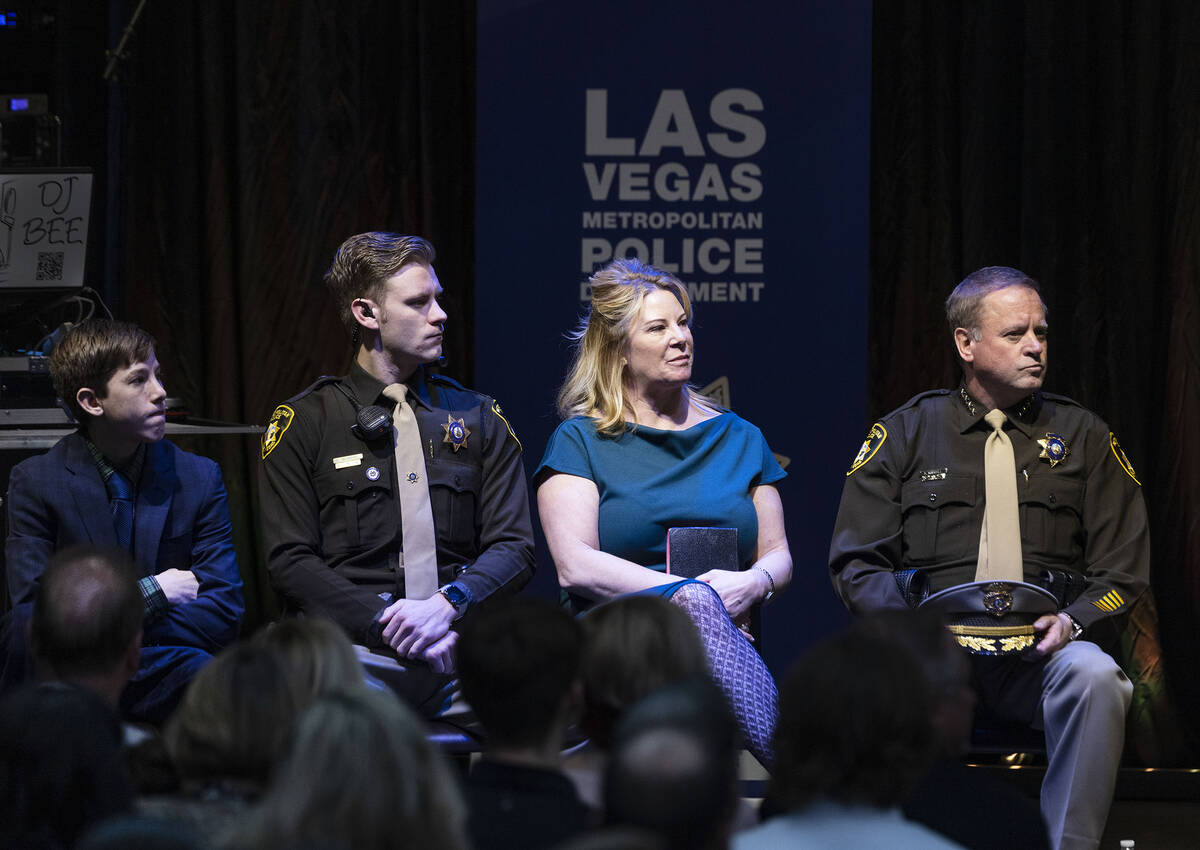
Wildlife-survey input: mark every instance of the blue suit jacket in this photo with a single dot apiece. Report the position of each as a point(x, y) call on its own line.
point(181, 521)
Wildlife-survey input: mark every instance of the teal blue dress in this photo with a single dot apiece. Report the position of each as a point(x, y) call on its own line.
point(651, 480)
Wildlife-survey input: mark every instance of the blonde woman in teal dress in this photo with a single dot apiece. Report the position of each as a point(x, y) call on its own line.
point(639, 452)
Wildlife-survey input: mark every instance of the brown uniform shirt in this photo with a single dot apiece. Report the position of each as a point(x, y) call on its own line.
point(914, 498)
point(331, 520)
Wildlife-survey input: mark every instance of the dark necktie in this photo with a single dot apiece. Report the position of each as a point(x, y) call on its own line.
point(121, 498)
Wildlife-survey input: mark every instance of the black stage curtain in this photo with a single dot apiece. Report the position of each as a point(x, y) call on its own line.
point(1061, 138)
point(255, 138)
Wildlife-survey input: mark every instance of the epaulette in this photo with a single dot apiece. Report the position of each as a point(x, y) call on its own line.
point(441, 381)
point(1061, 399)
point(918, 398)
point(319, 382)
point(438, 378)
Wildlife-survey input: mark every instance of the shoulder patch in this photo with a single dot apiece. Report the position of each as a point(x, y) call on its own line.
point(1119, 454)
point(875, 439)
point(281, 420)
point(511, 433)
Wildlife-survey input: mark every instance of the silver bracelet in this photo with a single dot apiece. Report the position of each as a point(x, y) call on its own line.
point(770, 581)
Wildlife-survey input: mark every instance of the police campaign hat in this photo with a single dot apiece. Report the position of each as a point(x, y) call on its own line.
point(993, 617)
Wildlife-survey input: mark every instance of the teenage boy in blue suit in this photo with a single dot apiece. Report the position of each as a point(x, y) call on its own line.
point(117, 482)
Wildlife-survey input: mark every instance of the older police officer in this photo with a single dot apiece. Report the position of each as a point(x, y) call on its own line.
point(1065, 514)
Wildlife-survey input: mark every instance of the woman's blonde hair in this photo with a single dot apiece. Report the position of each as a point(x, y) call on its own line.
point(317, 654)
point(594, 386)
point(236, 717)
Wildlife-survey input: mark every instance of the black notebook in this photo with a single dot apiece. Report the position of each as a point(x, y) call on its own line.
point(692, 551)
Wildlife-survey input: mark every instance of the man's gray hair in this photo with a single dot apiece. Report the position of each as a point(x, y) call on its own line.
point(965, 303)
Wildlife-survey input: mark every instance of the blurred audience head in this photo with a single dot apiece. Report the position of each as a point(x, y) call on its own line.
point(632, 646)
point(672, 766)
point(87, 620)
point(854, 724)
point(317, 654)
point(945, 666)
point(518, 660)
point(360, 774)
point(236, 718)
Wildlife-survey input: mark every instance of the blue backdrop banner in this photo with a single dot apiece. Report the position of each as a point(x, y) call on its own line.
point(727, 144)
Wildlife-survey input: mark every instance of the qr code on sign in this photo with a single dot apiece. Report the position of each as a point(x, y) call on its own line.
point(50, 265)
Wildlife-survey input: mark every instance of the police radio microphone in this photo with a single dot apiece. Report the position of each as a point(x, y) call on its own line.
point(371, 422)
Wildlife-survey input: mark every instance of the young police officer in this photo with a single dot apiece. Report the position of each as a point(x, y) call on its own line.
point(394, 499)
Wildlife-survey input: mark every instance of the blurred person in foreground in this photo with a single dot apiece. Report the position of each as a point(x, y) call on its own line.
point(632, 646)
point(951, 798)
point(360, 774)
point(227, 738)
point(518, 662)
point(854, 736)
point(61, 766)
point(673, 767)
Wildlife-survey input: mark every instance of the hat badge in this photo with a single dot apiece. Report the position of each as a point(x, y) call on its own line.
point(997, 599)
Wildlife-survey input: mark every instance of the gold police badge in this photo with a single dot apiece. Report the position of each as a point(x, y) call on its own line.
point(1054, 449)
point(281, 420)
point(455, 432)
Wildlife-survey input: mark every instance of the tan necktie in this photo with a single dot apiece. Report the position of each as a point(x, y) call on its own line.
point(1000, 536)
point(419, 554)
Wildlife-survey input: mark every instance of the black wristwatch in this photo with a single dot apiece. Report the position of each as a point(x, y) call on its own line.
point(458, 596)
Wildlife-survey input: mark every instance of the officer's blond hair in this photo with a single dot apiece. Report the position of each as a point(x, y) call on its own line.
point(363, 264)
